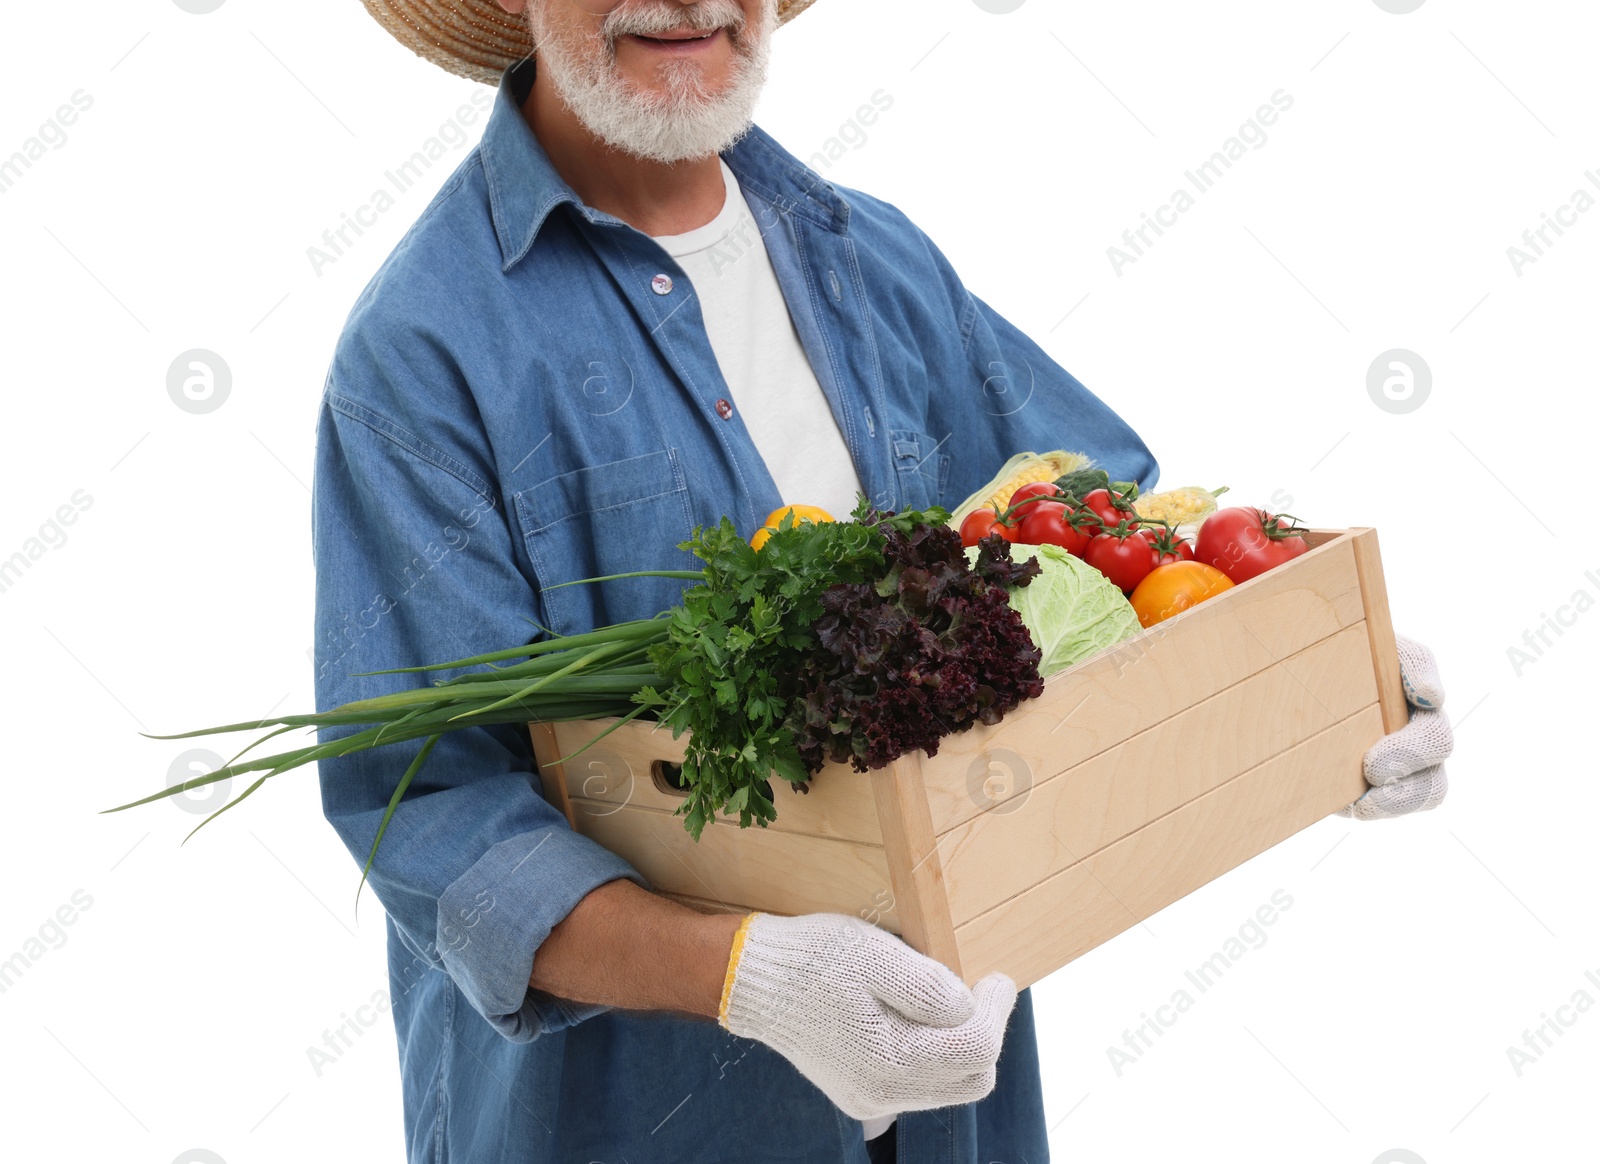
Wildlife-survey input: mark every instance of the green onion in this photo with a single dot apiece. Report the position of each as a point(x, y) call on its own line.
point(596, 675)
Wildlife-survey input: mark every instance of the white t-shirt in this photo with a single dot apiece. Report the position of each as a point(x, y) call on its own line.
point(769, 377)
point(770, 381)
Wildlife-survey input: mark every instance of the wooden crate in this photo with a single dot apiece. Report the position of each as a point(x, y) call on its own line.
point(1138, 776)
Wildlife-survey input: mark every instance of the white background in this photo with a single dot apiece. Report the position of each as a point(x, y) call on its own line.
point(178, 1011)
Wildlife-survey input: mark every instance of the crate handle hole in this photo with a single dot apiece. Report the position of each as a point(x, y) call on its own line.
point(668, 777)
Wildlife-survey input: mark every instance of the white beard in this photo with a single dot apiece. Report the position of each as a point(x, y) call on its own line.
point(686, 122)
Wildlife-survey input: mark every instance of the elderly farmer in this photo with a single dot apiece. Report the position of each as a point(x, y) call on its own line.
point(629, 312)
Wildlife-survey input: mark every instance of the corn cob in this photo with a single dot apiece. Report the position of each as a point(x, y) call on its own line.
point(1178, 506)
point(1020, 470)
point(1184, 509)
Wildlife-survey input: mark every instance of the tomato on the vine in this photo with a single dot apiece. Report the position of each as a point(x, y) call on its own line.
point(1243, 541)
point(980, 523)
point(1056, 524)
point(1111, 508)
point(1032, 489)
point(1168, 546)
point(1122, 554)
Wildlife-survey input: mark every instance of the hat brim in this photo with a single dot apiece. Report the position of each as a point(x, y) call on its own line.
point(477, 39)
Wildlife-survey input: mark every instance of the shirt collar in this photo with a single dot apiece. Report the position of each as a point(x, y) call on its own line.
point(524, 186)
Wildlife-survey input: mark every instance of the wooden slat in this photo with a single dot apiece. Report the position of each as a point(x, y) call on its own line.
point(759, 868)
point(1385, 657)
point(1171, 666)
point(913, 860)
point(617, 770)
point(545, 752)
point(1074, 911)
point(1068, 817)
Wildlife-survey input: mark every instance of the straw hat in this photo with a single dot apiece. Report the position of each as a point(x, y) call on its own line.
point(477, 39)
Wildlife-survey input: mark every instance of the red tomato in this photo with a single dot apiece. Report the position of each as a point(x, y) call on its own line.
point(1168, 546)
point(1109, 507)
point(1243, 542)
point(980, 523)
point(1035, 521)
point(1032, 489)
point(1123, 556)
point(1052, 523)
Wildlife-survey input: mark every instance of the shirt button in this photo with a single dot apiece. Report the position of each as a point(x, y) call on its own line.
point(724, 409)
point(661, 284)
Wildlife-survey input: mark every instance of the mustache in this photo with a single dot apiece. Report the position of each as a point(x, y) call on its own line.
point(637, 20)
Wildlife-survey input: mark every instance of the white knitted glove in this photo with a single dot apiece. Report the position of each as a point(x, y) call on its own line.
point(1406, 768)
point(878, 1027)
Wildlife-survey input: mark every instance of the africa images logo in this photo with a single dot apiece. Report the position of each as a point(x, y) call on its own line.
point(1399, 381)
point(199, 381)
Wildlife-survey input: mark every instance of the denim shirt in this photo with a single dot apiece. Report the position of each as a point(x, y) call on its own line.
point(524, 394)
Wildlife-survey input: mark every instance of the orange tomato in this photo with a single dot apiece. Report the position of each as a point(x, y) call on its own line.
point(801, 513)
point(1175, 587)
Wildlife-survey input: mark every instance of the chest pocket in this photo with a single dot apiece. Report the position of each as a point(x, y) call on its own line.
point(609, 518)
point(922, 468)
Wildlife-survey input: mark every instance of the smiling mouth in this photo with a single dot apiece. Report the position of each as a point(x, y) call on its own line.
point(674, 41)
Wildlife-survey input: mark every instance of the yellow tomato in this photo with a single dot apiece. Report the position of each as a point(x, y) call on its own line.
point(801, 513)
point(1175, 587)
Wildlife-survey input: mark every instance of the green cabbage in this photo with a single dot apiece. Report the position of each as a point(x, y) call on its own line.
point(1071, 609)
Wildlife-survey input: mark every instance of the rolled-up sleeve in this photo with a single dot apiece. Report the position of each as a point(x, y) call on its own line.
point(415, 565)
